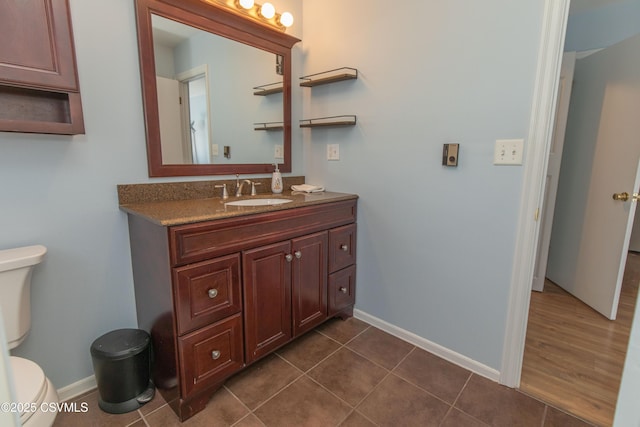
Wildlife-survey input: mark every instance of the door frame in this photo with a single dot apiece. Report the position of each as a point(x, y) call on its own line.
point(553, 31)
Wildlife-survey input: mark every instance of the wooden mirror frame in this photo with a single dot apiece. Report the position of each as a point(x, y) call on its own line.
point(225, 22)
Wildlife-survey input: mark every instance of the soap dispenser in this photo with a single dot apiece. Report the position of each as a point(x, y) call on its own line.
point(276, 181)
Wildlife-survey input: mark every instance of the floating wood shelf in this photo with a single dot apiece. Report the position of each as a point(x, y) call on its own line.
point(331, 76)
point(268, 89)
point(268, 126)
point(349, 120)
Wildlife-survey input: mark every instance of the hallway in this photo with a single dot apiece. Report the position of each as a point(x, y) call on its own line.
point(574, 356)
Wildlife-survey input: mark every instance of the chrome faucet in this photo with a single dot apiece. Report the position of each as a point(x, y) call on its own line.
point(239, 186)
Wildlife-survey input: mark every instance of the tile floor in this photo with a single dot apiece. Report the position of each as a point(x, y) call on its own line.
point(346, 373)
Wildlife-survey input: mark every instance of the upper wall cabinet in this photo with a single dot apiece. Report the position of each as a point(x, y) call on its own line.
point(39, 91)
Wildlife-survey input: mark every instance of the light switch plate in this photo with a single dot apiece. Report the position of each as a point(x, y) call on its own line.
point(333, 152)
point(279, 152)
point(508, 152)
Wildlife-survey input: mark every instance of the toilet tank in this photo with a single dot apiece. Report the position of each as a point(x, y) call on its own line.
point(16, 266)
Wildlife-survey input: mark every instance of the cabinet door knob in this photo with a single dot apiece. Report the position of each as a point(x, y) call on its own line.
point(298, 254)
point(212, 293)
point(344, 247)
point(343, 289)
point(215, 354)
point(288, 257)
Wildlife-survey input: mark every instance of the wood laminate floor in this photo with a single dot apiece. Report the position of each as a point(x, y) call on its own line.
point(574, 356)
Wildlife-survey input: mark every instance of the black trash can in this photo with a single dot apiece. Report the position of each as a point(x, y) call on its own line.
point(122, 366)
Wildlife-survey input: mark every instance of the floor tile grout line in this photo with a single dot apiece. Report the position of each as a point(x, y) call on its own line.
point(138, 419)
point(453, 405)
point(557, 408)
point(156, 410)
point(349, 340)
point(261, 404)
point(446, 415)
point(314, 366)
point(368, 359)
point(544, 415)
point(462, 389)
point(250, 412)
point(332, 393)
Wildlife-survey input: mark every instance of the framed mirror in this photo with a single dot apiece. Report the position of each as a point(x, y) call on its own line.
point(216, 89)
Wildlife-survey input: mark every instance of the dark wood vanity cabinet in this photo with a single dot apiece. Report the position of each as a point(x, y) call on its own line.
point(39, 89)
point(219, 295)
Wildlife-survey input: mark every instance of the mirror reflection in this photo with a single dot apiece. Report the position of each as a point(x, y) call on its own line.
point(208, 112)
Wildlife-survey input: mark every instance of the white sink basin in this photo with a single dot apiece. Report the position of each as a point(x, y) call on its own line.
point(258, 202)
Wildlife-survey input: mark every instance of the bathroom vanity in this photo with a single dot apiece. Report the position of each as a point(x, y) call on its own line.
point(218, 287)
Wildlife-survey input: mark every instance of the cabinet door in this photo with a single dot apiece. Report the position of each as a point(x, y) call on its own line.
point(266, 273)
point(37, 50)
point(309, 281)
point(207, 292)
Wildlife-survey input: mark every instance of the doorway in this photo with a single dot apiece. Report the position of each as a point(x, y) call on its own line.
point(573, 357)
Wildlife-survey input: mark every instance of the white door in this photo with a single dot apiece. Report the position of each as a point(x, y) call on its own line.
point(591, 230)
point(169, 111)
point(553, 169)
point(634, 243)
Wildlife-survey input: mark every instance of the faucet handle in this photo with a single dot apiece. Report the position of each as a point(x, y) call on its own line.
point(253, 188)
point(225, 195)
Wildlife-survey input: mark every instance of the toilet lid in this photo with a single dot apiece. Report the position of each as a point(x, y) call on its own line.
point(30, 382)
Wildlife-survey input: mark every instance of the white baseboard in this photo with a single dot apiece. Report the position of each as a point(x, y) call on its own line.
point(77, 388)
point(431, 347)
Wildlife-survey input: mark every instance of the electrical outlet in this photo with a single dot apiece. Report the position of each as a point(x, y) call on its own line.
point(279, 152)
point(508, 152)
point(214, 149)
point(333, 152)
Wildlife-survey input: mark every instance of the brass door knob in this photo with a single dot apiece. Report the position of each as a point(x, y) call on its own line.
point(625, 196)
point(621, 196)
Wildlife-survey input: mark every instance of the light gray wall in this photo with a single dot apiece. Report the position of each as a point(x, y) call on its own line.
point(435, 244)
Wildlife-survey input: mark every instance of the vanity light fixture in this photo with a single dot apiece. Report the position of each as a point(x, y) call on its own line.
point(265, 13)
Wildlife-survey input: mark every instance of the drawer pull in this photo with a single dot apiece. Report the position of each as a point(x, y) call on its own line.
point(212, 293)
point(288, 257)
point(344, 248)
point(298, 254)
point(343, 289)
point(215, 354)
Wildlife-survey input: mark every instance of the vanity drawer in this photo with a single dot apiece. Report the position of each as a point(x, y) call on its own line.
point(197, 242)
point(207, 292)
point(342, 289)
point(210, 355)
point(342, 247)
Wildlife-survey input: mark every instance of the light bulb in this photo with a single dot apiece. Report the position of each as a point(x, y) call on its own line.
point(246, 4)
point(286, 19)
point(267, 10)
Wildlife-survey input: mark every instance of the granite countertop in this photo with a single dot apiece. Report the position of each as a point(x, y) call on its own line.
point(177, 212)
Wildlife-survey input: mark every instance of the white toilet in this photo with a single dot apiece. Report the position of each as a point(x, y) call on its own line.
point(33, 389)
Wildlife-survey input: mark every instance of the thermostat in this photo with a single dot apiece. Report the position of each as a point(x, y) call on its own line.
point(450, 154)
